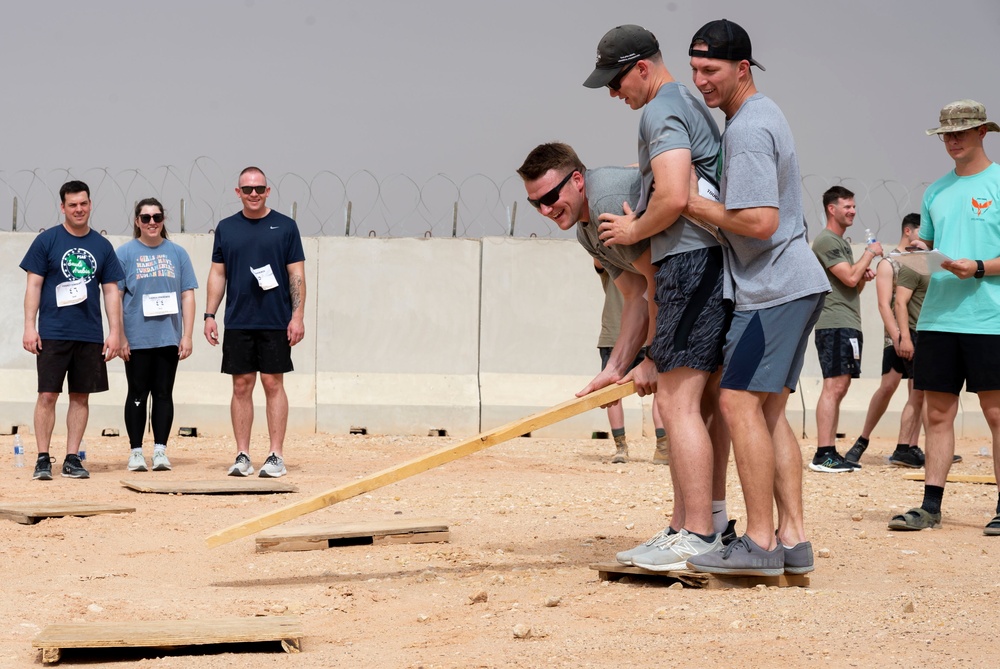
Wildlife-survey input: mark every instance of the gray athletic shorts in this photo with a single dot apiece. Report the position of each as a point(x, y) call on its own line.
point(765, 348)
point(692, 316)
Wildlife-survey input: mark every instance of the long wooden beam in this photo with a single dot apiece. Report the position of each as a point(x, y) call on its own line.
point(955, 478)
point(436, 458)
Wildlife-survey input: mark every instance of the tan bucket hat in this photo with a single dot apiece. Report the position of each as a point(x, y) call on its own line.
point(963, 115)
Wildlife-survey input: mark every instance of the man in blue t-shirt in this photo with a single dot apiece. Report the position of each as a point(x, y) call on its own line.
point(69, 267)
point(259, 265)
point(959, 324)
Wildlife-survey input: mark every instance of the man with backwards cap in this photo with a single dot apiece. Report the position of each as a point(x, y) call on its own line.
point(959, 324)
point(779, 291)
point(676, 133)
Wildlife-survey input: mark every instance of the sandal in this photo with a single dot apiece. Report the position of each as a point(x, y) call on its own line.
point(920, 519)
point(992, 528)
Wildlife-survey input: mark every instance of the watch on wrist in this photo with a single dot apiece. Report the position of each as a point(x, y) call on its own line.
point(980, 270)
point(208, 315)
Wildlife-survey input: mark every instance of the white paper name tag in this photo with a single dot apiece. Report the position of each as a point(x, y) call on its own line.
point(855, 348)
point(71, 292)
point(159, 304)
point(265, 277)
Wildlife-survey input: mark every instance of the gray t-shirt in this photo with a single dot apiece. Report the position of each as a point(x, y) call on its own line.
point(607, 189)
point(675, 119)
point(163, 269)
point(760, 170)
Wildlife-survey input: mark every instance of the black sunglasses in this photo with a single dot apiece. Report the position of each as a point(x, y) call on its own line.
point(552, 196)
point(146, 218)
point(616, 83)
point(250, 189)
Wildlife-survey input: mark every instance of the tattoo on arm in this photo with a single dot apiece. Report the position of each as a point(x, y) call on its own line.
point(295, 291)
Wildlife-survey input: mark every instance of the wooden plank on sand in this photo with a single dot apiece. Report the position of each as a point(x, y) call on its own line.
point(421, 464)
point(316, 537)
point(168, 633)
point(226, 486)
point(613, 571)
point(955, 478)
point(29, 513)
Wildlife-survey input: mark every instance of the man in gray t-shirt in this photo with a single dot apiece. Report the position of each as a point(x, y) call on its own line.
point(779, 290)
point(676, 134)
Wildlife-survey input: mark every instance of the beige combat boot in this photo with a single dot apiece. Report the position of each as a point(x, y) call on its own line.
point(621, 451)
point(662, 454)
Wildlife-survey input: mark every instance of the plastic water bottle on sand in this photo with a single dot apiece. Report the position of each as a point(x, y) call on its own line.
point(18, 451)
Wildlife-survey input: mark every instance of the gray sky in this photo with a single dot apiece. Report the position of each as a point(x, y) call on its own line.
point(462, 88)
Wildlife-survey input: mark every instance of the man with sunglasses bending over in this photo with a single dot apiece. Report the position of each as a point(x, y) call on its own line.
point(258, 263)
point(676, 132)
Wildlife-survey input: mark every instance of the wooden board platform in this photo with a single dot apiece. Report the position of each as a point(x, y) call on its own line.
point(29, 513)
point(168, 633)
point(316, 537)
point(956, 478)
point(227, 486)
point(612, 571)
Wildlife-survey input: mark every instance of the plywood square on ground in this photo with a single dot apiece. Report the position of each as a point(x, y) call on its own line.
point(315, 537)
point(29, 513)
point(227, 486)
point(168, 633)
point(613, 571)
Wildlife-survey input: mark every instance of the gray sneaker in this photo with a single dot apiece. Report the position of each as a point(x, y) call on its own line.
point(741, 558)
point(273, 467)
point(674, 556)
point(242, 466)
point(160, 461)
point(799, 558)
point(625, 557)
point(43, 468)
point(136, 462)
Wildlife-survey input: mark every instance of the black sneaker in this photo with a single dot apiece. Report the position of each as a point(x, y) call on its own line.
point(73, 468)
point(43, 468)
point(830, 463)
point(729, 536)
point(853, 456)
point(912, 457)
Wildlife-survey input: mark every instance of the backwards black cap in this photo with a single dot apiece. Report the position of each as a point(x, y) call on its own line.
point(725, 40)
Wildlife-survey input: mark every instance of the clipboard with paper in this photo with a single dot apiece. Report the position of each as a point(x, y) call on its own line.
point(922, 262)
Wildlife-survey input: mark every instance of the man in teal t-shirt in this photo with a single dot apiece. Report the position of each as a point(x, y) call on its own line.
point(959, 325)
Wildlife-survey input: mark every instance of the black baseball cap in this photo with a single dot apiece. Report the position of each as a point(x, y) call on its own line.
point(726, 40)
point(619, 47)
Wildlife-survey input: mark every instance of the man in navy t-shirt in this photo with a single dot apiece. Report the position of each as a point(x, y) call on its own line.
point(259, 265)
point(69, 267)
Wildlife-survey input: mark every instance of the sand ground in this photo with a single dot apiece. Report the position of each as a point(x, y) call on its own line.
point(513, 587)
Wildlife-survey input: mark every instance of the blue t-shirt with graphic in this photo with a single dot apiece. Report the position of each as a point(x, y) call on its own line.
point(58, 257)
point(149, 271)
point(245, 244)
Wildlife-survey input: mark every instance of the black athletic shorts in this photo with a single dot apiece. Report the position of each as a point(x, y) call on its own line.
point(946, 360)
point(251, 351)
point(839, 352)
point(605, 352)
point(892, 361)
point(82, 360)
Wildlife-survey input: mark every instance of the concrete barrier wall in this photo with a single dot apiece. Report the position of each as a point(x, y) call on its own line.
point(404, 336)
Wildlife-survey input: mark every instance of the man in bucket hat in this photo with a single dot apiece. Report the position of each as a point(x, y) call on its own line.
point(779, 292)
point(676, 133)
point(959, 325)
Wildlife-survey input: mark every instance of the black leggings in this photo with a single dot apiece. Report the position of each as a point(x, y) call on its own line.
point(150, 370)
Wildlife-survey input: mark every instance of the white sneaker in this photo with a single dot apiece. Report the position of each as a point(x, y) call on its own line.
point(136, 462)
point(674, 556)
point(273, 467)
point(242, 466)
point(625, 557)
point(160, 461)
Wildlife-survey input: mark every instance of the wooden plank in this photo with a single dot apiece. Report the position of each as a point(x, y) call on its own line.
point(29, 513)
point(391, 531)
point(421, 464)
point(168, 633)
point(955, 478)
point(613, 571)
point(227, 486)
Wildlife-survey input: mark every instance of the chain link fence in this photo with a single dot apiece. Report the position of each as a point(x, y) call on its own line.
point(364, 205)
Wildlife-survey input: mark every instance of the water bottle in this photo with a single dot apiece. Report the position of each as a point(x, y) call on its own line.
point(82, 451)
point(869, 237)
point(18, 451)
